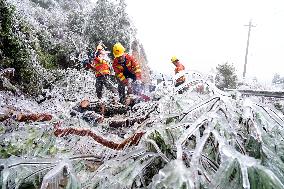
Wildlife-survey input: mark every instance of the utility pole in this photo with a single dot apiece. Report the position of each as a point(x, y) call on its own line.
point(246, 57)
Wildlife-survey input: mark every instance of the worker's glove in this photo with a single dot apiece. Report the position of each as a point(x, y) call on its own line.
point(129, 89)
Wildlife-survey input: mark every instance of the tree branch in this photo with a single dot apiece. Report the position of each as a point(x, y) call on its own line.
point(133, 140)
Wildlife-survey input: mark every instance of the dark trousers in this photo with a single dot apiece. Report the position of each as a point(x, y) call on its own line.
point(179, 83)
point(136, 89)
point(182, 90)
point(103, 81)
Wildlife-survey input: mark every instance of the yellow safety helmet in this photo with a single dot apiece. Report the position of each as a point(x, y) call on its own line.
point(118, 50)
point(174, 58)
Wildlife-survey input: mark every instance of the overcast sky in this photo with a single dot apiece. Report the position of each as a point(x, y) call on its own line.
point(206, 33)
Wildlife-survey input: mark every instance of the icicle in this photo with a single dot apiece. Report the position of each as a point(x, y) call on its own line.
point(132, 154)
point(198, 149)
point(158, 150)
point(53, 176)
point(246, 184)
point(5, 178)
point(185, 135)
point(173, 175)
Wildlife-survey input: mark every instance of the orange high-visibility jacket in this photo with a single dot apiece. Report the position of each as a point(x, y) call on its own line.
point(132, 66)
point(100, 66)
point(179, 68)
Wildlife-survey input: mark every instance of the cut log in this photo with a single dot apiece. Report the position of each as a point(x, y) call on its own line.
point(84, 103)
point(7, 112)
point(108, 110)
point(21, 117)
point(92, 117)
point(127, 122)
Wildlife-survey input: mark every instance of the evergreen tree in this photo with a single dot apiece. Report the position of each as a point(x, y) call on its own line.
point(276, 78)
point(110, 23)
point(226, 76)
point(278, 81)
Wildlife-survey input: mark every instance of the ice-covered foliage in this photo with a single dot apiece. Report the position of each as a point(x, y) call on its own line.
point(110, 22)
point(202, 138)
point(55, 27)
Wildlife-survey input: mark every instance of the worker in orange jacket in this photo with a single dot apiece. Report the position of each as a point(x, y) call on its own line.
point(126, 67)
point(102, 72)
point(178, 69)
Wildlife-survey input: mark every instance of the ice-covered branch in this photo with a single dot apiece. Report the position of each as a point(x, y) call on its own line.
point(133, 140)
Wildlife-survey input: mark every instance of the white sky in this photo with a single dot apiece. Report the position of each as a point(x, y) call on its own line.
point(205, 33)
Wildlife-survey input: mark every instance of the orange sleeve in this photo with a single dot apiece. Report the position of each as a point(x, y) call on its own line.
point(136, 67)
point(118, 71)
